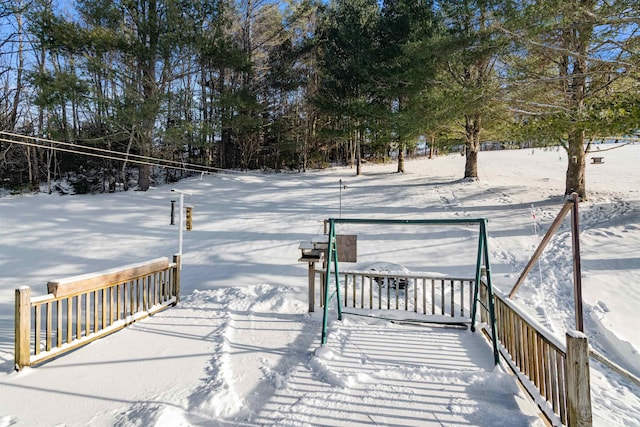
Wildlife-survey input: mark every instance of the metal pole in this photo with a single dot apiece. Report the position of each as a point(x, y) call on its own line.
point(340, 213)
point(180, 224)
point(577, 267)
point(180, 220)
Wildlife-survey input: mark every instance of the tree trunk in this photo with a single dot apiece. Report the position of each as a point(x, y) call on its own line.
point(574, 69)
point(358, 149)
point(13, 116)
point(150, 90)
point(472, 147)
point(401, 158)
point(575, 182)
point(144, 171)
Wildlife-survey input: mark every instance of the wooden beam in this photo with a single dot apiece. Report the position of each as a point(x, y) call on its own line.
point(545, 241)
point(22, 327)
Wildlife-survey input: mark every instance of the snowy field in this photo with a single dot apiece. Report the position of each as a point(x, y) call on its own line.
point(240, 349)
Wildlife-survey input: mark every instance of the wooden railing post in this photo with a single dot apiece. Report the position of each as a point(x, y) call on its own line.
point(176, 278)
point(23, 327)
point(578, 387)
point(312, 286)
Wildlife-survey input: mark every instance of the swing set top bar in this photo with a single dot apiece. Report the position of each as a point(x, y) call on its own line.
point(468, 221)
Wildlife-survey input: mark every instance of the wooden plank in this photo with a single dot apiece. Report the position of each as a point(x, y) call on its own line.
point(539, 380)
point(88, 282)
point(553, 397)
point(58, 323)
point(355, 288)
point(110, 292)
point(424, 296)
point(22, 326)
point(153, 297)
point(38, 331)
point(118, 300)
point(145, 293)
point(87, 314)
point(311, 282)
point(132, 288)
point(69, 321)
point(49, 327)
point(95, 311)
point(562, 390)
point(104, 309)
point(578, 383)
point(79, 316)
point(545, 241)
point(452, 308)
point(406, 294)
point(347, 245)
point(433, 296)
point(547, 372)
point(525, 348)
point(462, 298)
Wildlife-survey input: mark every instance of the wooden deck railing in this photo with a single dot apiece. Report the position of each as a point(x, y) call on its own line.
point(558, 372)
point(415, 292)
point(80, 309)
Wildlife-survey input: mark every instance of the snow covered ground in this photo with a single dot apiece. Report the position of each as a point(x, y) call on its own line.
point(240, 349)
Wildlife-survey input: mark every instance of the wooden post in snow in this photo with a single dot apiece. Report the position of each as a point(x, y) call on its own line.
point(312, 286)
point(577, 380)
point(23, 327)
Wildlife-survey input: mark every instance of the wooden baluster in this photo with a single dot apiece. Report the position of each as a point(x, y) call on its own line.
point(38, 325)
point(49, 331)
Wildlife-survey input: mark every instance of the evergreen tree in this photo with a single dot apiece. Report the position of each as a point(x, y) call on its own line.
point(471, 54)
point(348, 51)
point(574, 66)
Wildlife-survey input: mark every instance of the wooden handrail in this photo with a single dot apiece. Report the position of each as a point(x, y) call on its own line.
point(89, 282)
point(554, 373)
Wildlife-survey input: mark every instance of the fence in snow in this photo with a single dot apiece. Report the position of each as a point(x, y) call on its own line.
point(81, 309)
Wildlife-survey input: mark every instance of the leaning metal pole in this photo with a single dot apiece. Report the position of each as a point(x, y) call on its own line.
point(577, 264)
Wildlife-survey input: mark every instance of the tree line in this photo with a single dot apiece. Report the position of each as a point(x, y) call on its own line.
point(299, 84)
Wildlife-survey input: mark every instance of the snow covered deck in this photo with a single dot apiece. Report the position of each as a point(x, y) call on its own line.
point(255, 359)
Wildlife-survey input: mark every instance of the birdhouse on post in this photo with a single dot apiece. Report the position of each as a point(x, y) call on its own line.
point(189, 218)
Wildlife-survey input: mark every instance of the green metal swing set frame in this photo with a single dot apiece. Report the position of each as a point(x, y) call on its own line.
point(482, 261)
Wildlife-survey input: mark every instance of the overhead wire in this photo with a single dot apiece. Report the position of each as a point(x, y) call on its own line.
point(111, 154)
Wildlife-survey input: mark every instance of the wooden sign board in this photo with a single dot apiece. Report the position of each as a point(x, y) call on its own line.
point(347, 247)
